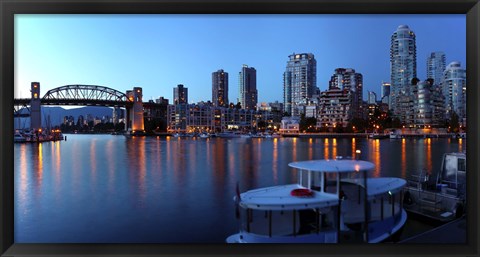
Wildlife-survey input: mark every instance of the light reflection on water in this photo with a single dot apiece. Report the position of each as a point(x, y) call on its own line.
point(102, 188)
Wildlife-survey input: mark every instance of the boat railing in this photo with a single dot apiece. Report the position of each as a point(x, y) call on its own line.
point(419, 181)
point(429, 200)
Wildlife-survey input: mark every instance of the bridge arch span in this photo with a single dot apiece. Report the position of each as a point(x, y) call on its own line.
point(86, 93)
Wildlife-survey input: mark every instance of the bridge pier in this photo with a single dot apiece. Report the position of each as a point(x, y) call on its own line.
point(35, 111)
point(135, 113)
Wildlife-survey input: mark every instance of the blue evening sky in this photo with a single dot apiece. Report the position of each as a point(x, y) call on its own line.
point(157, 52)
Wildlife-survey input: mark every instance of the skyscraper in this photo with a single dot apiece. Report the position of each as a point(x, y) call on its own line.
point(428, 105)
point(299, 82)
point(385, 94)
point(180, 95)
point(248, 87)
point(385, 90)
point(436, 67)
point(403, 64)
point(348, 79)
point(220, 88)
point(454, 90)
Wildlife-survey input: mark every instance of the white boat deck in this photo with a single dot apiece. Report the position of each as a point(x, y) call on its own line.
point(378, 186)
point(279, 198)
point(333, 165)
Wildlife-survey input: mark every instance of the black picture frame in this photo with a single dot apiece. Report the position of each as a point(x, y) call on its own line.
point(8, 8)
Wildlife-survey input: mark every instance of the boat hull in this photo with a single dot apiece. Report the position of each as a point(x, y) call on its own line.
point(322, 238)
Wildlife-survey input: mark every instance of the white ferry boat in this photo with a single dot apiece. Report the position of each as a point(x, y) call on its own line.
point(333, 202)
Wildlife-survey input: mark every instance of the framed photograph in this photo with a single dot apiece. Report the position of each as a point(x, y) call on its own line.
point(230, 128)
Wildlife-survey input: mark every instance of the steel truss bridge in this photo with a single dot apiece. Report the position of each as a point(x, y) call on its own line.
point(85, 95)
point(81, 95)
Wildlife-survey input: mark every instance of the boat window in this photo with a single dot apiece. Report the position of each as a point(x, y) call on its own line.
point(461, 164)
point(316, 181)
point(287, 223)
point(303, 178)
point(331, 183)
point(281, 223)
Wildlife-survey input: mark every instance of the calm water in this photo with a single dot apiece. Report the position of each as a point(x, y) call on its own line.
point(103, 188)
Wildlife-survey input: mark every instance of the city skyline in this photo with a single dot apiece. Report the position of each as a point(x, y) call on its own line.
point(158, 52)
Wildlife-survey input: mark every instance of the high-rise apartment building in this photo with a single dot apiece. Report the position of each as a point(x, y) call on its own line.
point(348, 79)
point(454, 87)
point(247, 80)
point(385, 94)
point(428, 108)
point(220, 88)
point(403, 64)
point(385, 90)
point(180, 94)
point(436, 64)
point(203, 117)
point(335, 108)
point(299, 82)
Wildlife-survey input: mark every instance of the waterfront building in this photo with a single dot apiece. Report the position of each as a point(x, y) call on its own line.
point(311, 110)
point(220, 88)
point(239, 119)
point(290, 125)
point(271, 114)
point(348, 79)
point(372, 97)
point(180, 94)
point(247, 80)
point(372, 109)
point(454, 87)
point(403, 65)
point(335, 108)
point(428, 105)
point(204, 117)
point(200, 118)
point(155, 114)
point(177, 117)
point(299, 82)
point(436, 64)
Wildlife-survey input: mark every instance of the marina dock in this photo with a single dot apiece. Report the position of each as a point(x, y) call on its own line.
point(453, 232)
point(365, 135)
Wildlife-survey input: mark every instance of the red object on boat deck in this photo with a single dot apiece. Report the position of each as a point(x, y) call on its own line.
point(302, 192)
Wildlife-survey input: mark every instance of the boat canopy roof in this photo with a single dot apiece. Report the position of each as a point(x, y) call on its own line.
point(378, 186)
point(333, 165)
point(280, 198)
